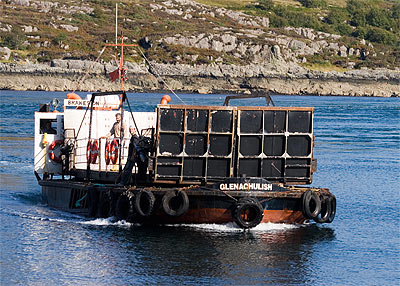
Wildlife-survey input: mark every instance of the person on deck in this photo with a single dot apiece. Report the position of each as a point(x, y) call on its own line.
point(116, 128)
point(47, 128)
point(137, 153)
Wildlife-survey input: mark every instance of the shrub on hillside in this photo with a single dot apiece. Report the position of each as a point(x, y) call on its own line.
point(337, 16)
point(14, 39)
point(60, 38)
point(344, 29)
point(98, 13)
point(382, 36)
point(360, 32)
point(265, 5)
point(297, 18)
point(378, 18)
point(396, 11)
point(358, 18)
point(314, 3)
point(353, 6)
point(276, 21)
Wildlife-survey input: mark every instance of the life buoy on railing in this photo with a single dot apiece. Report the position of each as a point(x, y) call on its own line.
point(144, 202)
point(107, 150)
point(248, 212)
point(175, 202)
point(311, 204)
point(92, 151)
point(114, 151)
point(88, 151)
point(51, 153)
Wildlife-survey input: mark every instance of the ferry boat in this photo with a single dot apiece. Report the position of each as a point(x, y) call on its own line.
point(193, 164)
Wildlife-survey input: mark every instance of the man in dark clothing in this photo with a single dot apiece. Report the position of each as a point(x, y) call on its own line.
point(46, 128)
point(137, 153)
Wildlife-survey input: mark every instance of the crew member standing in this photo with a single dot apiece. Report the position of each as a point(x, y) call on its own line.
point(116, 128)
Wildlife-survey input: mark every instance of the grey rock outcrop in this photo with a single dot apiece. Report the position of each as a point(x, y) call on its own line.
point(65, 74)
point(5, 53)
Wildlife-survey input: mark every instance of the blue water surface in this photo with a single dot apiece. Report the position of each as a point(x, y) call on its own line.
point(358, 150)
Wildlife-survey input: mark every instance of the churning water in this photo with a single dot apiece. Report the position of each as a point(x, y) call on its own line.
point(358, 152)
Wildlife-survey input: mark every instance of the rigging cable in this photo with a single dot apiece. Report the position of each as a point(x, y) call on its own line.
point(157, 75)
point(91, 66)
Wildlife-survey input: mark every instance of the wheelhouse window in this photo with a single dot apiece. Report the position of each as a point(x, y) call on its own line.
point(48, 126)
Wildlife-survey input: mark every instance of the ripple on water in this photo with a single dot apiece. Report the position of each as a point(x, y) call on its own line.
point(357, 147)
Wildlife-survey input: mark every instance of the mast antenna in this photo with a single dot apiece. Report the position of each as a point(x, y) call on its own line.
point(116, 23)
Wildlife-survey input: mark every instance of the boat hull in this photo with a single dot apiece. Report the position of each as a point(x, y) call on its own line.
point(205, 206)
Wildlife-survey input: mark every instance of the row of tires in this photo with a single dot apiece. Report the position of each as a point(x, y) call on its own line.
point(128, 205)
point(319, 207)
point(246, 212)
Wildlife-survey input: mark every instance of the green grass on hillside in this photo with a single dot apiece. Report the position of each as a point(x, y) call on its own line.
point(374, 20)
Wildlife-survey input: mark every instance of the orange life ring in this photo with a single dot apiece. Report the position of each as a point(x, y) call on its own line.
point(107, 150)
point(89, 151)
point(114, 151)
point(92, 151)
point(51, 154)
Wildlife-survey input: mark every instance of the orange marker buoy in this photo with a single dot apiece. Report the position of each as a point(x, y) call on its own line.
point(165, 99)
point(73, 95)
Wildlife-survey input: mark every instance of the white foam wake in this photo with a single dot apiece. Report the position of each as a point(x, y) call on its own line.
point(112, 221)
point(231, 227)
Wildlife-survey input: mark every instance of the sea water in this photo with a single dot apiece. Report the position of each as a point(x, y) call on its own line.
point(358, 150)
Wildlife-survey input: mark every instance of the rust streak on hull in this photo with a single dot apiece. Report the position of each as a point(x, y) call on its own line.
point(213, 215)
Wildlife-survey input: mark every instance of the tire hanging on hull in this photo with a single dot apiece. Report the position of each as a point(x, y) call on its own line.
point(175, 203)
point(326, 210)
point(248, 212)
point(124, 206)
point(332, 201)
point(144, 203)
point(92, 201)
point(104, 206)
point(311, 204)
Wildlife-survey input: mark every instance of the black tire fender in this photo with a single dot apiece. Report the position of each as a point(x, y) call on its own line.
point(175, 202)
point(124, 206)
point(248, 212)
point(92, 201)
point(144, 202)
point(104, 206)
point(332, 201)
point(325, 212)
point(311, 204)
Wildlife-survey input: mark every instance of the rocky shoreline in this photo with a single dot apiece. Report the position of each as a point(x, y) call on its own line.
point(64, 75)
point(193, 57)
